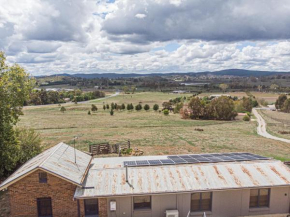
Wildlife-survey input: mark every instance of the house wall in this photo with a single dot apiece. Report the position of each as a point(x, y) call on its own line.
point(24, 193)
point(224, 203)
point(4, 204)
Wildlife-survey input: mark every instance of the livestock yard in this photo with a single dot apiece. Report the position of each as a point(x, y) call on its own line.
point(150, 131)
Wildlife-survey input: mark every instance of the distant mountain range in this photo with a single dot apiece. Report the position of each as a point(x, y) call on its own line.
point(228, 72)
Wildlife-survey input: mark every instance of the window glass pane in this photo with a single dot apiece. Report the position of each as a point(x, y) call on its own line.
point(254, 192)
point(206, 202)
point(142, 202)
point(264, 198)
point(195, 202)
point(43, 177)
point(91, 207)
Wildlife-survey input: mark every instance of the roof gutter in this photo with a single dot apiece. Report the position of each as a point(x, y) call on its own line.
point(179, 192)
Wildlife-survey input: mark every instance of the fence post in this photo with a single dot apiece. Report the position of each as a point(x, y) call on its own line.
point(129, 144)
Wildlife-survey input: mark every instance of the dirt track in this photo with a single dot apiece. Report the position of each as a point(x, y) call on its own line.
point(262, 128)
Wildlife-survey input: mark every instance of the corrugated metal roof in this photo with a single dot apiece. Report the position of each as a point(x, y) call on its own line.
point(107, 177)
point(58, 160)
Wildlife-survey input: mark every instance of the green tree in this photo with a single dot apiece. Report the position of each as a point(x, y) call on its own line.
point(62, 109)
point(107, 106)
point(246, 118)
point(286, 106)
point(196, 107)
point(138, 107)
point(15, 88)
point(133, 89)
point(146, 107)
point(104, 107)
point(94, 108)
point(126, 89)
point(166, 112)
point(155, 107)
point(112, 112)
point(89, 112)
point(224, 108)
point(112, 106)
point(123, 106)
point(224, 87)
point(30, 144)
point(280, 101)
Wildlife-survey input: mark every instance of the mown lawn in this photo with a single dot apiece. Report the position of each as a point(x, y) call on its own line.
point(150, 131)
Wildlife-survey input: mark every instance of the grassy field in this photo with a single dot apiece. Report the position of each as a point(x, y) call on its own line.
point(277, 121)
point(150, 131)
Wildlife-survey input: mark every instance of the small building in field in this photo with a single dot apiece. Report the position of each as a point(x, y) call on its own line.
point(63, 182)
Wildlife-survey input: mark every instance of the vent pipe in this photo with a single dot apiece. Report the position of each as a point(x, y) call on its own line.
point(127, 173)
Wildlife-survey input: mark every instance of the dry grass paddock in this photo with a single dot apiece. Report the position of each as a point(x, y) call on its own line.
point(277, 121)
point(153, 132)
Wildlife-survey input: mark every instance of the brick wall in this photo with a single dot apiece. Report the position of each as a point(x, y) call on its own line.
point(4, 204)
point(24, 193)
point(103, 209)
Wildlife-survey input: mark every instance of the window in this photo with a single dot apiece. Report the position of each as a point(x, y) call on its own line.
point(259, 198)
point(142, 202)
point(91, 207)
point(44, 207)
point(201, 201)
point(42, 177)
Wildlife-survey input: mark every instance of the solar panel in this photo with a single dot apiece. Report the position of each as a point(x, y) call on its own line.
point(185, 156)
point(167, 161)
point(179, 161)
point(173, 157)
point(154, 162)
point(130, 163)
point(197, 158)
point(191, 160)
point(142, 163)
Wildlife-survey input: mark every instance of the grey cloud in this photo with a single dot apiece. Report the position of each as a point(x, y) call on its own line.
point(59, 20)
point(42, 47)
point(210, 20)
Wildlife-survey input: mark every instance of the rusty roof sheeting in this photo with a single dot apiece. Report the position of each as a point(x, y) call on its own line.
point(103, 181)
point(59, 160)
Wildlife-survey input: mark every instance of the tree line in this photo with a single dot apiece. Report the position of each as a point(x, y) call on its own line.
point(221, 108)
point(43, 97)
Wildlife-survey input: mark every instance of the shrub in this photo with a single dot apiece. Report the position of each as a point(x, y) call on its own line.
point(94, 108)
point(62, 109)
point(146, 107)
point(155, 107)
point(246, 118)
point(178, 107)
point(123, 106)
point(166, 112)
point(107, 106)
point(104, 107)
point(112, 112)
point(89, 112)
point(138, 107)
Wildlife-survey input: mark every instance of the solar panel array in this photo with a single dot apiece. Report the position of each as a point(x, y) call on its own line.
point(197, 158)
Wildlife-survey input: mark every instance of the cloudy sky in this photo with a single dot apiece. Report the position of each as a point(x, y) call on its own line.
point(145, 36)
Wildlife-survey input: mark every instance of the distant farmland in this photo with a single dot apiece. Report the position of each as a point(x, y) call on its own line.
point(150, 131)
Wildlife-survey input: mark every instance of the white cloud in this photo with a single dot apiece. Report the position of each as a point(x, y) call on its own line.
point(141, 16)
point(94, 36)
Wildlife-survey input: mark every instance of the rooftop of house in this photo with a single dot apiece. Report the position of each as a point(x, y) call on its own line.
point(61, 160)
point(105, 177)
